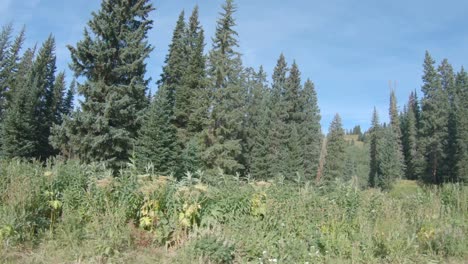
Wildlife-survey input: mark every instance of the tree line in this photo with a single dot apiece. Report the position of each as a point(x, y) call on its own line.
point(428, 140)
point(210, 113)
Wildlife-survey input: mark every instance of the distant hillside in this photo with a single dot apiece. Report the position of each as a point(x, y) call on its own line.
point(355, 139)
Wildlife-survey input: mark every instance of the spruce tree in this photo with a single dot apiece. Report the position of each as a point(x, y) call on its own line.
point(257, 124)
point(260, 163)
point(434, 121)
point(174, 70)
point(43, 86)
point(374, 133)
point(310, 131)
point(409, 140)
point(395, 128)
point(336, 151)
point(197, 100)
point(111, 59)
point(157, 140)
point(447, 78)
point(63, 135)
point(9, 63)
point(292, 95)
point(278, 133)
point(223, 136)
point(193, 103)
point(388, 164)
point(461, 132)
point(19, 137)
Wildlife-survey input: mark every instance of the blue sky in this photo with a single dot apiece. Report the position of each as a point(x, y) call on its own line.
point(350, 49)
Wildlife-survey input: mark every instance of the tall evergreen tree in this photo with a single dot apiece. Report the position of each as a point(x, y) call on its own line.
point(43, 87)
point(409, 140)
point(461, 132)
point(447, 78)
point(197, 97)
point(256, 147)
point(193, 104)
point(395, 128)
point(19, 124)
point(157, 140)
point(278, 135)
point(292, 95)
point(260, 162)
point(9, 63)
point(111, 59)
point(174, 70)
point(374, 140)
point(336, 150)
point(388, 164)
point(434, 121)
point(310, 130)
point(223, 149)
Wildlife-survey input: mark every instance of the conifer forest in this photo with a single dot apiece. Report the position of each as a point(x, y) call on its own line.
point(221, 163)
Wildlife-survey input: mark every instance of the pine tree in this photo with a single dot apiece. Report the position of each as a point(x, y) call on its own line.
point(292, 95)
point(259, 162)
point(278, 133)
point(310, 130)
point(447, 78)
point(174, 70)
point(461, 133)
point(395, 128)
point(157, 140)
point(409, 141)
point(434, 121)
point(336, 150)
point(43, 83)
point(374, 140)
point(18, 128)
point(223, 136)
point(256, 125)
point(9, 63)
point(62, 133)
point(388, 165)
point(67, 102)
point(195, 78)
point(111, 59)
point(193, 106)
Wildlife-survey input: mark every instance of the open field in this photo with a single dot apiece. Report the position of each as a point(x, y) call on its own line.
point(71, 213)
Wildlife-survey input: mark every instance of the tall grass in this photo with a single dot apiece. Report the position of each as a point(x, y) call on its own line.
point(69, 212)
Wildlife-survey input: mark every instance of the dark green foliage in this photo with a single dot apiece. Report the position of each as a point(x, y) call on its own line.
point(309, 130)
point(395, 128)
point(157, 140)
point(336, 147)
point(43, 85)
point(374, 140)
point(19, 124)
point(257, 124)
point(460, 133)
point(434, 123)
point(277, 136)
point(214, 249)
point(196, 101)
point(223, 135)
point(9, 63)
point(388, 163)
point(295, 160)
point(409, 141)
point(111, 59)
